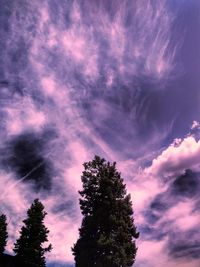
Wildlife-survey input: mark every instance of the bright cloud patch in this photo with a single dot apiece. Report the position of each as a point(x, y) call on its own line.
point(177, 157)
point(114, 78)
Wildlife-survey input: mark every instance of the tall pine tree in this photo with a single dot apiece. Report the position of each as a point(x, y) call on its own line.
point(107, 232)
point(3, 233)
point(28, 247)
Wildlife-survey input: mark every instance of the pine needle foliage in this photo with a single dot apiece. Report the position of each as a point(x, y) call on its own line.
point(107, 234)
point(33, 234)
point(3, 233)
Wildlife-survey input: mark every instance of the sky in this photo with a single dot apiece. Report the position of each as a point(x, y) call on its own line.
point(119, 79)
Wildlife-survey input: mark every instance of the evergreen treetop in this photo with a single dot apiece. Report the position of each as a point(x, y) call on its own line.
point(107, 232)
point(3, 233)
point(33, 234)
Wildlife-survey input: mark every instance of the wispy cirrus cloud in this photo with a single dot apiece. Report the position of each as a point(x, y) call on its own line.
point(83, 78)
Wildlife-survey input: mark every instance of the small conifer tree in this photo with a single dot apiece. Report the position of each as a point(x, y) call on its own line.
point(107, 232)
point(28, 247)
point(3, 233)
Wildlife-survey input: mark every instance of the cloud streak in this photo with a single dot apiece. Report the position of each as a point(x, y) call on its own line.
point(79, 78)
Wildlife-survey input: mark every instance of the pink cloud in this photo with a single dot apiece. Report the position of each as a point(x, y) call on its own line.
point(152, 252)
point(183, 216)
point(176, 158)
point(24, 116)
point(63, 234)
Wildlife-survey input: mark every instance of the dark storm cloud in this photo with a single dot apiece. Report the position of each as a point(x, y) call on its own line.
point(187, 185)
point(159, 203)
point(185, 244)
point(25, 155)
point(183, 187)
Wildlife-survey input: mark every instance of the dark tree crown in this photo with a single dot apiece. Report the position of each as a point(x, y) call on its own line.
point(107, 232)
point(3, 233)
point(32, 235)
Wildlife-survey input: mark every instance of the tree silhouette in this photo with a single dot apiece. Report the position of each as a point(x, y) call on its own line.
point(28, 247)
point(107, 232)
point(3, 233)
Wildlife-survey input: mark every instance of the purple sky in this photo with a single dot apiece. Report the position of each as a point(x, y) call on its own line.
point(116, 78)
